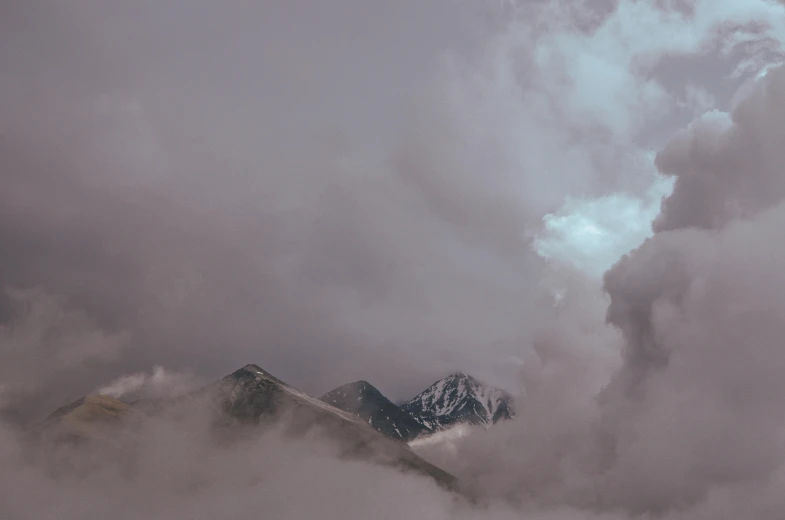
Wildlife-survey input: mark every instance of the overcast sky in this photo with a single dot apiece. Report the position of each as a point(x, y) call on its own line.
point(336, 190)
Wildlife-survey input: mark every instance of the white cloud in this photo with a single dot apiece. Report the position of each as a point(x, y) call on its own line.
point(591, 234)
point(607, 84)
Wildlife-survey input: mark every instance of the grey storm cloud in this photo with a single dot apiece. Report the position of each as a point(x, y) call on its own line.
point(689, 424)
point(206, 180)
point(727, 166)
point(353, 190)
point(306, 190)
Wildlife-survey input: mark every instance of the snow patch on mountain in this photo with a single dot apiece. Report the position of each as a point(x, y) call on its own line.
point(459, 398)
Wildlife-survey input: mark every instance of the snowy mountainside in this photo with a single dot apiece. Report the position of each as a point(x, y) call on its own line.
point(459, 398)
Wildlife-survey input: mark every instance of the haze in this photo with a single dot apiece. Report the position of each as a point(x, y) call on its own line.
point(580, 201)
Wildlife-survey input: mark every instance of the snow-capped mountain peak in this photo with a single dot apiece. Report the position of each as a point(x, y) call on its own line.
point(459, 398)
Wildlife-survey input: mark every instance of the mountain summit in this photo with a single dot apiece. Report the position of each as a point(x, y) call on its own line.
point(247, 400)
point(364, 400)
point(459, 398)
point(456, 399)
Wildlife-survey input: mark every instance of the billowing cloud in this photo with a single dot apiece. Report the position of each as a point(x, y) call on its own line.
point(358, 194)
point(233, 183)
point(592, 234)
point(727, 166)
point(690, 425)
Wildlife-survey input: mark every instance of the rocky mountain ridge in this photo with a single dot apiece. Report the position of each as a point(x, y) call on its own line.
point(365, 401)
point(455, 399)
point(245, 399)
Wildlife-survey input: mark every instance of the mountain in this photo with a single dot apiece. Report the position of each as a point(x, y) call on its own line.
point(459, 398)
point(456, 399)
point(364, 400)
point(252, 395)
point(91, 418)
point(248, 399)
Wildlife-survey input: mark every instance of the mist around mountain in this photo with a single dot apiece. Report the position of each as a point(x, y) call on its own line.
point(245, 403)
point(590, 190)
